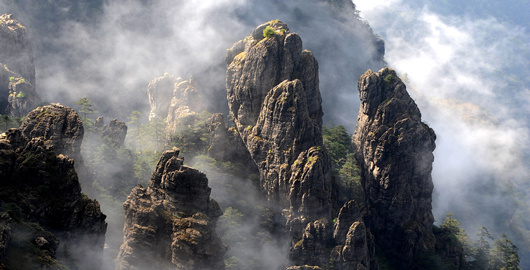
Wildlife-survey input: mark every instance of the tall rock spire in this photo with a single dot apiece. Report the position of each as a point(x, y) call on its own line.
point(394, 149)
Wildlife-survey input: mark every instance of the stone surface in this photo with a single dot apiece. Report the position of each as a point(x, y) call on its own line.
point(394, 150)
point(355, 244)
point(274, 100)
point(226, 144)
point(45, 186)
point(60, 128)
point(115, 131)
point(17, 69)
point(160, 92)
point(184, 107)
point(171, 223)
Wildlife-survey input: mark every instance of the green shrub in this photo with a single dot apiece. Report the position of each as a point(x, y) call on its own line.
point(389, 78)
point(21, 95)
point(268, 32)
point(11, 79)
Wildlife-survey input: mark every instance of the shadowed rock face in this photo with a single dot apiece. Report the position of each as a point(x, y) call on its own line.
point(171, 223)
point(59, 126)
point(17, 70)
point(274, 99)
point(395, 149)
point(44, 185)
point(115, 131)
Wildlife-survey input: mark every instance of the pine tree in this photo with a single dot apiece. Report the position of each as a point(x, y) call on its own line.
point(504, 254)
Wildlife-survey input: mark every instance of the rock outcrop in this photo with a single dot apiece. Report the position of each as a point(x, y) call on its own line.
point(43, 186)
point(160, 93)
point(171, 223)
point(115, 131)
point(274, 99)
point(17, 69)
point(184, 108)
point(226, 144)
point(394, 150)
point(60, 128)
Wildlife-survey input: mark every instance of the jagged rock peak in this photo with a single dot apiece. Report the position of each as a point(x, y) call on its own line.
point(171, 223)
point(17, 69)
point(394, 150)
point(115, 131)
point(275, 102)
point(168, 93)
point(59, 126)
point(44, 187)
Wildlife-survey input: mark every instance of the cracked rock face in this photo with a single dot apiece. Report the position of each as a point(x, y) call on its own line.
point(275, 102)
point(44, 185)
point(395, 149)
point(171, 223)
point(17, 69)
point(59, 126)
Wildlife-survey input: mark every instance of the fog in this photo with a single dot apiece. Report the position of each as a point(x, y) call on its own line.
point(468, 74)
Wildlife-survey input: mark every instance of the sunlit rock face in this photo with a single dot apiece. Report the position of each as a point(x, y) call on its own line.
point(39, 185)
point(274, 100)
point(171, 223)
point(394, 150)
point(17, 70)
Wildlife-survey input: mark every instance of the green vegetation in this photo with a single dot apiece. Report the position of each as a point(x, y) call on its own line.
point(269, 32)
point(21, 95)
point(346, 172)
point(7, 122)
point(389, 79)
point(85, 107)
point(479, 254)
point(11, 79)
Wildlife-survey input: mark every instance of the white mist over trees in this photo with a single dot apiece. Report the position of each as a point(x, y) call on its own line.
point(466, 65)
point(458, 64)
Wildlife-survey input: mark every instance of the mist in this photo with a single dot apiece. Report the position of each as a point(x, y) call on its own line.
point(468, 74)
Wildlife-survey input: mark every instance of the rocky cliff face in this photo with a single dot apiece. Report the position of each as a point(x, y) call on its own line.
point(171, 223)
point(17, 70)
point(42, 186)
point(395, 149)
point(274, 99)
point(115, 131)
point(59, 127)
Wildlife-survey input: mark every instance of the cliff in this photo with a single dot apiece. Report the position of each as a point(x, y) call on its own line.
point(40, 195)
point(115, 132)
point(17, 69)
point(274, 100)
point(171, 223)
point(394, 150)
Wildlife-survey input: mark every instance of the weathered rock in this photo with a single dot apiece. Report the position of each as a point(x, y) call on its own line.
point(355, 244)
point(17, 70)
point(5, 236)
point(274, 99)
point(171, 223)
point(44, 185)
point(184, 108)
point(226, 144)
point(160, 92)
point(60, 128)
point(395, 149)
point(115, 131)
